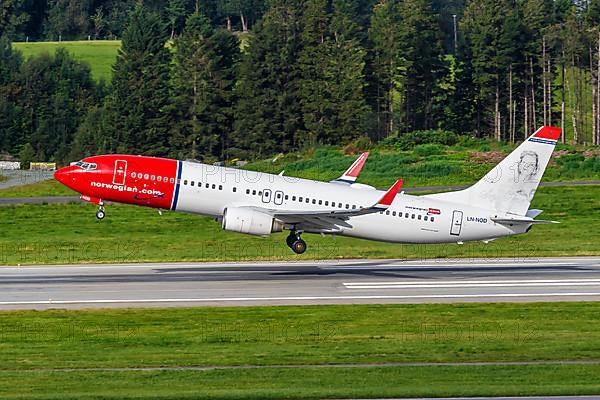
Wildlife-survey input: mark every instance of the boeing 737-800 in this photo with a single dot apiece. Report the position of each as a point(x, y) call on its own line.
point(260, 203)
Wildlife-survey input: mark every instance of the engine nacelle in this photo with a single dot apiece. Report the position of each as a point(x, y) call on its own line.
point(252, 222)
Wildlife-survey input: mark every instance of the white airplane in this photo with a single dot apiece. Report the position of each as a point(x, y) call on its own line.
point(259, 204)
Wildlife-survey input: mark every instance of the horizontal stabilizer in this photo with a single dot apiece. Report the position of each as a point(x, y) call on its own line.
point(522, 220)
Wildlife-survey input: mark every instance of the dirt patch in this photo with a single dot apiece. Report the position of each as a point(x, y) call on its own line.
point(487, 157)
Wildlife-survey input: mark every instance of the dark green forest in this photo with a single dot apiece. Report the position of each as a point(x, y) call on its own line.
point(221, 79)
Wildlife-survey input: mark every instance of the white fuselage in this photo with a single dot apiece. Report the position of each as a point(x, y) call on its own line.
point(410, 219)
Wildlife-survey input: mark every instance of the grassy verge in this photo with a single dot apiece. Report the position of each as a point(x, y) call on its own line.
point(62, 234)
point(48, 187)
point(3, 178)
point(270, 336)
point(99, 54)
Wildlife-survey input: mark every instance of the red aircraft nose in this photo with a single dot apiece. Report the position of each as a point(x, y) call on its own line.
point(68, 176)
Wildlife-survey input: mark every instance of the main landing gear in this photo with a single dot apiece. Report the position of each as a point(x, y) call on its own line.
point(296, 243)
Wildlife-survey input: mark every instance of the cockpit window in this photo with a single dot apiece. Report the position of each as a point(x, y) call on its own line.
point(84, 165)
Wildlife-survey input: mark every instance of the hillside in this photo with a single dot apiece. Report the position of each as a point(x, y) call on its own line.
point(99, 54)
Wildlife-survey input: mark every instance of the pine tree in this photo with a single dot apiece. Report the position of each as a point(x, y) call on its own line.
point(268, 116)
point(138, 105)
point(204, 78)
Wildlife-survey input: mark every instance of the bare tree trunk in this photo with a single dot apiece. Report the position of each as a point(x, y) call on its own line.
point(593, 81)
point(598, 95)
point(533, 119)
point(229, 23)
point(244, 22)
point(497, 131)
point(526, 117)
point(544, 78)
point(514, 121)
point(549, 89)
point(510, 105)
point(562, 105)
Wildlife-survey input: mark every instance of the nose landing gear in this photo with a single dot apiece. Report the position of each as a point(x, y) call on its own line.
point(100, 214)
point(296, 243)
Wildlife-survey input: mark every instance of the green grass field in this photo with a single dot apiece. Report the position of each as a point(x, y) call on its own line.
point(3, 178)
point(70, 233)
point(99, 54)
point(35, 344)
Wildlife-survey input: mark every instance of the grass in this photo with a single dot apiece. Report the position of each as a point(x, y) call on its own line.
point(33, 342)
point(48, 187)
point(99, 54)
point(3, 178)
point(37, 234)
point(454, 165)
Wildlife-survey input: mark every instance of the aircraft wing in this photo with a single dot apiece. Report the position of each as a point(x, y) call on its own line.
point(351, 174)
point(330, 220)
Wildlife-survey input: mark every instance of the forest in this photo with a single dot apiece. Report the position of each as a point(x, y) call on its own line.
point(223, 79)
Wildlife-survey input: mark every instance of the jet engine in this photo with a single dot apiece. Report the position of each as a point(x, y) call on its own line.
point(252, 222)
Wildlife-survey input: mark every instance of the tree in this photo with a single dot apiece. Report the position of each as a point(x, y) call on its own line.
point(175, 13)
point(268, 117)
point(99, 21)
point(204, 79)
point(138, 106)
point(12, 18)
point(68, 19)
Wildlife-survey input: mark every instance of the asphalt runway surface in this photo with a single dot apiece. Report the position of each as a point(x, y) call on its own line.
point(306, 282)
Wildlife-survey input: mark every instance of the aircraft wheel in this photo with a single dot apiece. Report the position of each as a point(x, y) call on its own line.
point(299, 246)
point(100, 214)
point(292, 237)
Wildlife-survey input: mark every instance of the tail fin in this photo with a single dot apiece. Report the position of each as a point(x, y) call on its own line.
point(510, 186)
point(351, 174)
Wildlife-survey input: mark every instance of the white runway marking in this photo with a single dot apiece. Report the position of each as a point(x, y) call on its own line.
point(293, 298)
point(470, 284)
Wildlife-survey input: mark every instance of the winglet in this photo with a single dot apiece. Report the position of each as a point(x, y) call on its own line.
point(548, 133)
point(390, 195)
point(351, 173)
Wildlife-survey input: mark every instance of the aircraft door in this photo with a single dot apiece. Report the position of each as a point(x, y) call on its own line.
point(278, 197)
point(266, 196)
point(120, 172)
point(457, 217)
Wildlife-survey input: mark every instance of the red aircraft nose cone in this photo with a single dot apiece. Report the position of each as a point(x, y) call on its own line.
point(61, 175)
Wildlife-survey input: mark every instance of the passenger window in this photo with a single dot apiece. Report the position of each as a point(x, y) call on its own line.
point(419, 217)
point(192, 182)
point(425, 218)
point(234, 189)
point(159, 179)
point(172, 180)
point(293, 198)
point(254, 193)
point(152, 177)
point(185, 182)
point(387, 212)
point(146, 176)
point(354, 206)
point(394, 213)
point(220, 187)
point(307, 200)
point(206, 185)
point(431, 219)
point(140, 175)
point(278, 195)
point(326, 202)
point(314, 201)
point(213, 185)
point(347, 206)
point(260, 193)
point(406, 215)
point(133, 174)
point(247, 191)
point(286, 197)
point(300, 199)
point(413, 216)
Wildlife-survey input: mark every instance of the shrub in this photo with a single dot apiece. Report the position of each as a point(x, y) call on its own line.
point(407, 141)
point(429, 149)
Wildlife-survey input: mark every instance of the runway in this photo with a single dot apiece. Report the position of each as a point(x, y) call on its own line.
point(310, 282)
